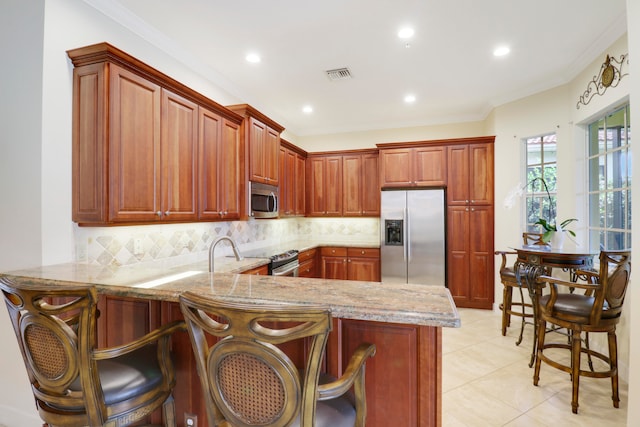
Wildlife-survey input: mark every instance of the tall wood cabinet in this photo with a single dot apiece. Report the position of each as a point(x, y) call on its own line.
point(465, 168)
point(470, 254)
point(135, 141)
point(262, 139)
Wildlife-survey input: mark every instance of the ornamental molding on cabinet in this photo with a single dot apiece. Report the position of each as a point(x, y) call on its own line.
point(609, 76)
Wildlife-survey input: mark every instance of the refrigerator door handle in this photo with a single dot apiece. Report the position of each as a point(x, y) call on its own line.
point(407, 235)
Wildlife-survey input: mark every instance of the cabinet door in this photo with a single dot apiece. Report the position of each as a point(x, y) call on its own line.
point(315, 198)
point(90, 159)
point(370, 185)
point(257, 137)
point(299, 194)
point(458, 253)
point(271, 151)
point(229, 171)
point(481, 174)
point(333, 263)
point(333, 186)
point(134, 166)
point(395, 167)
point(352, 185)
point(458, 175)
point(210, 125)
point(284, 184)
point(363, 264)
point(430, 166)
point(179, 142)
point(334, 267)
point(123, 320)
point(481, 257)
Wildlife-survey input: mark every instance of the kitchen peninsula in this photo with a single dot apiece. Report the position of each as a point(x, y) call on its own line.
point(404, 379)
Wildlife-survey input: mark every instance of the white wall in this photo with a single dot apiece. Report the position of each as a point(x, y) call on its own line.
point(21, 32)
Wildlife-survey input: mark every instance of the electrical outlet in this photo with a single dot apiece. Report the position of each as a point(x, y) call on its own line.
point(190, 420)
point(137, 246)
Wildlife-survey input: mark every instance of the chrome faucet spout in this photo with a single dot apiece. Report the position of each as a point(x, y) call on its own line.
point(236, 252)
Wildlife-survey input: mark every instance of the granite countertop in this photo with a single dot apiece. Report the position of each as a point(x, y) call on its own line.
point(373, 301)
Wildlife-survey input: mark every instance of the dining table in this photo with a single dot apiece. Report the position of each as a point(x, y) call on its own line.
point(534, 261)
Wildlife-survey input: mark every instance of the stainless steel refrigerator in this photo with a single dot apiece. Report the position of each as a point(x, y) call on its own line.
point(412, 240)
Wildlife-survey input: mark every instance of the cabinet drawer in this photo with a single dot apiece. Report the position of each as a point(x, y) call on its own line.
point(307, 268)
point(363, 252)
point(306, 255)
point(330, 251)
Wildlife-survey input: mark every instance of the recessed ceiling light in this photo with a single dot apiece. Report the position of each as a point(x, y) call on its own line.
point(406, 33)
point(254, 58)
point(410, 98)
point(307, 109)
point(501, 51)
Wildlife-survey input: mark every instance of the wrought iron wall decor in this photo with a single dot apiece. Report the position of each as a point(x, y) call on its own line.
point(609, 76)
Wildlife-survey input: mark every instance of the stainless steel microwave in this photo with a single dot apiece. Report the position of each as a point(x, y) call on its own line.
point(263, 201)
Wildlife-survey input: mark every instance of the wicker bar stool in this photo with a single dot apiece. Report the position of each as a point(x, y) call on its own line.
point(248, 380)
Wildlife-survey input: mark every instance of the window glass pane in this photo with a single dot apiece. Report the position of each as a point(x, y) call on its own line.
point(602, 181)
point(594, 210)
point(610, 178)
point(595, 147)
point(594, 178)
point(534, 154)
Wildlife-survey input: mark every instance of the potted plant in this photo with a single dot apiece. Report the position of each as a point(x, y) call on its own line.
point(551, 229)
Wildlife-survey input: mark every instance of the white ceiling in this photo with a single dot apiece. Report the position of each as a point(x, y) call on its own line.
point(449, 65)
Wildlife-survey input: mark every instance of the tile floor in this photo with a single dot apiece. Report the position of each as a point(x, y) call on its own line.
point(487, 381)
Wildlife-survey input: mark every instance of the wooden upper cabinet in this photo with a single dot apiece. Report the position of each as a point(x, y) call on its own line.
point(360, 185)
point(135, 140)
point(262, 139)
point(292, 180)
point(134, 148)
point(300, 176)
point(178, 157)
point(423, 166)
point(324, 185)
point(219, 148)
point(470, 177)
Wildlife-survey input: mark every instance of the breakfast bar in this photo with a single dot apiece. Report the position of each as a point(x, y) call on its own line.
point(404, 321)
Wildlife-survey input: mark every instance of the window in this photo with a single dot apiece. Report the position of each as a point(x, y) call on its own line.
point(541, 163)
point(609, 176)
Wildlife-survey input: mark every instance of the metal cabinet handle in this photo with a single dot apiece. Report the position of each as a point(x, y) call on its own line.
point(159, 213)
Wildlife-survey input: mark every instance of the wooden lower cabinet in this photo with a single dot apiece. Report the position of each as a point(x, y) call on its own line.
point(350, 263)
point(308, 263)
point(263, 270)
point(403, 379)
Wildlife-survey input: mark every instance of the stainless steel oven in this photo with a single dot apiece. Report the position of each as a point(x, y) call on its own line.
point(284, 264)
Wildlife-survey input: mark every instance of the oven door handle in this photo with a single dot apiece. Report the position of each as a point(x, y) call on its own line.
point(281, 271)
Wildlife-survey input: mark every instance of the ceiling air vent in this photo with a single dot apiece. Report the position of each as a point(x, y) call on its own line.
point(339, 74)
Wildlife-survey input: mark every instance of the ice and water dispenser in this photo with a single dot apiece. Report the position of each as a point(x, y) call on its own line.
point(393, 232)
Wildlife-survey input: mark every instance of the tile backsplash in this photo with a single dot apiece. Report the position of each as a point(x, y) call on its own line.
point(176, 244)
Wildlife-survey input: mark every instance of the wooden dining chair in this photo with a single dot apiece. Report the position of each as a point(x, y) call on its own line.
point(248, 380)
point(509, 307)
point(74, 383)
point(598, 309)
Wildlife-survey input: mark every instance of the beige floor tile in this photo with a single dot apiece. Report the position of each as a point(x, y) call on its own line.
point(487, 381)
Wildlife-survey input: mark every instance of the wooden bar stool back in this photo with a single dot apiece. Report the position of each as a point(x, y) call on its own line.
point(74, 383)
point(597, 310)
point(248, 380)
point(509, 307)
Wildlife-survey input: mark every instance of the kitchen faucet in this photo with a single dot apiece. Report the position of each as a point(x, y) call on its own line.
point(236, 252)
